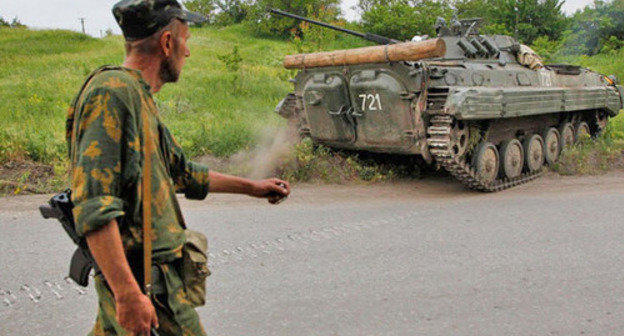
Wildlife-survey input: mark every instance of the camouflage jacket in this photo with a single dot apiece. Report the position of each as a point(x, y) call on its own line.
point(105, 139)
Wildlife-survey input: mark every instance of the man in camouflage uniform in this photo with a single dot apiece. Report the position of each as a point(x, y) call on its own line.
point(105, 131)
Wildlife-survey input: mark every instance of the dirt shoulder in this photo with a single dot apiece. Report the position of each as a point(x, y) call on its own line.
point(18, 177)
point(424, 190)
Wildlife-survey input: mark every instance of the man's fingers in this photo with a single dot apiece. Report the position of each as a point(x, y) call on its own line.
point(281, 187)
point(146, 329)
point(143, 327)
point(286, 186)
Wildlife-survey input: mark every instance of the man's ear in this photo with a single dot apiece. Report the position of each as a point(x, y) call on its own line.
point(166, 43)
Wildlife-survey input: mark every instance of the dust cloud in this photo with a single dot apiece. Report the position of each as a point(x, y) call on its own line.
point(274, 147)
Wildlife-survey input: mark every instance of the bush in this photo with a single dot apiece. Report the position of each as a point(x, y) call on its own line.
point(611, 45)
point(16, 23)
point(232, 62)
point(546, 48)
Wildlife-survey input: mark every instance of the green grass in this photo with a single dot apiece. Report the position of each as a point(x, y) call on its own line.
point(42, 71)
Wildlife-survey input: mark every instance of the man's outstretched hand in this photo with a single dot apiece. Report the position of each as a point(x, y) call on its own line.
point(273, 189)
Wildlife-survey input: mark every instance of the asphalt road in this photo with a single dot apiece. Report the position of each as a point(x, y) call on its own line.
point(418, 258)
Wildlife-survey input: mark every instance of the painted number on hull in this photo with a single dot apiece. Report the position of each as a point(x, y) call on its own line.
point(371, 102)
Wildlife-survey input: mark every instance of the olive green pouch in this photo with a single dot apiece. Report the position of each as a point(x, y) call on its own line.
point(195, 267)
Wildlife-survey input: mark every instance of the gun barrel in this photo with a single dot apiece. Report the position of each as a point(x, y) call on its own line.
point(408, 51)
point(370, 37)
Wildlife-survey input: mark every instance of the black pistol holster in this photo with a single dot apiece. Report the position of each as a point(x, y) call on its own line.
point(60, 207)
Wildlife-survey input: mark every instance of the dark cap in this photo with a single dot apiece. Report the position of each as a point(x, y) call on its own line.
point(139, 19)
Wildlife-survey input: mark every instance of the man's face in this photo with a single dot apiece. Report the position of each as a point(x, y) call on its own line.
point(171, 67)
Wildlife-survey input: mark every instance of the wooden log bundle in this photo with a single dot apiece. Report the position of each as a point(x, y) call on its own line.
point(408, 51)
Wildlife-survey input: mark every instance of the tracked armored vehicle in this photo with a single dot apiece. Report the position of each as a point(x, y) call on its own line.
point(483, 107)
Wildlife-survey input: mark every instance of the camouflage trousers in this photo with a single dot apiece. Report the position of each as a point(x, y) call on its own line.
point(176, 315)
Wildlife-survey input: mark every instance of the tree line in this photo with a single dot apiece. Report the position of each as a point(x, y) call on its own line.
point(13, 24)
point(599, 27)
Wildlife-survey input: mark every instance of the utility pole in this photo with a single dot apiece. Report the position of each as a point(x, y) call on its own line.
point(82, 21)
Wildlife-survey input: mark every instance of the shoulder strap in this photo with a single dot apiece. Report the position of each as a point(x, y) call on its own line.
point(146, 189)
point(146, 180)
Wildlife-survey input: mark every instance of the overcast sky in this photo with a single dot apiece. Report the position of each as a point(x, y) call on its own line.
point(66, 13)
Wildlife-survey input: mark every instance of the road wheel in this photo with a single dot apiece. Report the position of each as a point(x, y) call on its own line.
point(534, 153)
point(486, 162)
point(567, 135)
point(582, 131)
point(512, 159)
point(552, 145)
point(459, 137)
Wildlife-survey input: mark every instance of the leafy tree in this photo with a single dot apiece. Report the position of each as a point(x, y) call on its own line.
point(221, 12)
point(593, 28)
point(402, 19)
point(274, 25)
point(311, 38)
point(233, 11)
point(4, 23)
point(205, 7)
point(529, 19)
point(472, 8)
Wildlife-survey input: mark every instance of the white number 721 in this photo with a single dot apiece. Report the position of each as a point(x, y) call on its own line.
point(373, 102)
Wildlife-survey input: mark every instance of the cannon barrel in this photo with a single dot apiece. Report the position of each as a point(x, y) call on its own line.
point(367, 36)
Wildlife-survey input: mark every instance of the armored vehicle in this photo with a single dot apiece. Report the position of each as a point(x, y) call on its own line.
point(483, 107)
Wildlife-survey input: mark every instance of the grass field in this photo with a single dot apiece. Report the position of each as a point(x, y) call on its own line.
point(210, 114)
point(207, 110)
